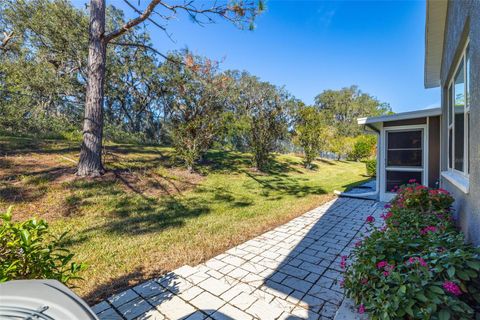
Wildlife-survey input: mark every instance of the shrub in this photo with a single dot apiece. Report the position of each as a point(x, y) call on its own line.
point(28, 250)
point(371, 167)
point(417, 265)
point(364, 147)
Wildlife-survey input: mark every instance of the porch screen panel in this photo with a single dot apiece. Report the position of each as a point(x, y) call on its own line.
point(405, 149)
point(404, 157)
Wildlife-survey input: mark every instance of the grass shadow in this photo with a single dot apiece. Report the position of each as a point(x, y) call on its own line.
point(19, 194)
point(223, 161)
point(18, 146)
point(284, 185)
point(156, 292)
point(326, 161)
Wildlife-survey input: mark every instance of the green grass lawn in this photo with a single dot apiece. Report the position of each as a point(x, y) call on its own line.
point(148, 215)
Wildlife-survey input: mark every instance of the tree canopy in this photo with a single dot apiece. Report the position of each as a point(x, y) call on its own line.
point(174, 98)
point(343, 107)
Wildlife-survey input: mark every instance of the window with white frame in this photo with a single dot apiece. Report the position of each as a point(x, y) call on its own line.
point(459, 116)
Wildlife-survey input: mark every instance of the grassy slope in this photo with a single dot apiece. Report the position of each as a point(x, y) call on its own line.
point(148, 215)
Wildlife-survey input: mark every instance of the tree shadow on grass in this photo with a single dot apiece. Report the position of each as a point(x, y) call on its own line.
point(223, 161)
point(112, 286)
point(132, 213)
point(42, 176)
point(133, 148)
point(156, 291)
point(283, 167)
point(19, 146)
point(326, 161)
point(228, 162)
point(223, 195)
point(282, 185)
point(19, 194)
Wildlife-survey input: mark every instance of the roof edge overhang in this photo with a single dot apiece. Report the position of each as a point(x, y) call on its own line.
point(401, 116)
point(434, 39)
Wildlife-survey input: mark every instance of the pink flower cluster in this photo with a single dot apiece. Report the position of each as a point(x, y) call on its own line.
point(343, 262)
point(420, 187)
point(419, 260)
point(370, 219)
point(428, 229)
point(452, 287)
point(395, 189)
point(361, 309)
point(387, 268)
point(387, 215)
point(434, 192)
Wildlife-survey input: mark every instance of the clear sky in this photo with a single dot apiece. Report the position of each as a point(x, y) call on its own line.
point(311, 46)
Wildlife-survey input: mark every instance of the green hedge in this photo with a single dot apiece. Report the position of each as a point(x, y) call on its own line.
point(415, 266)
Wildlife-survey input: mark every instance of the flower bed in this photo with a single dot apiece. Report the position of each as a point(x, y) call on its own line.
point(415, 266)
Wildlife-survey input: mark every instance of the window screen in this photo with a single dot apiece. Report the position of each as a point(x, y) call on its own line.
point(398, 178)
point(404, 149)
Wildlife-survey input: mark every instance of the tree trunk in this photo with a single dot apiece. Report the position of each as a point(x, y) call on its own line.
point(90, 163)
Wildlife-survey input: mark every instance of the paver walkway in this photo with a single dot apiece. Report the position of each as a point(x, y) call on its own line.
point(290, 272)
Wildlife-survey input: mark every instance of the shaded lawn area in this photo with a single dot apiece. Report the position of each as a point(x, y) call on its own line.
point(148, 215)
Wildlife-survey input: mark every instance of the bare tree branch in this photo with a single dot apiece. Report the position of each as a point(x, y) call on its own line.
point(132, 23)
point(6, 39)
point(232, 13)
point(151, 20)
point(140, 12)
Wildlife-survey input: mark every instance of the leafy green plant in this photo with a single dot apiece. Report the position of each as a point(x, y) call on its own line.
point(311, 133)
point(363, 148)
point(28, 250)
point(371, 166)
point(416, 196)
point(416, 266)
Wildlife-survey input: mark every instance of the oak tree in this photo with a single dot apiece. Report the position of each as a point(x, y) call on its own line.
point(240, 13)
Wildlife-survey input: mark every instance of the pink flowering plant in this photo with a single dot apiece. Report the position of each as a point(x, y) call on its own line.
point(421, 198)
point(415, 266)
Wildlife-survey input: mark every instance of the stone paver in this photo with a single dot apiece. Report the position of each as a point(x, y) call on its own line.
point(290, 272)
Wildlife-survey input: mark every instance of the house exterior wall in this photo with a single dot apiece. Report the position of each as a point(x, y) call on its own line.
point(463, 22)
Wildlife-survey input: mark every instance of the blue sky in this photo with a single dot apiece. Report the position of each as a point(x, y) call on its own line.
point(311, 46)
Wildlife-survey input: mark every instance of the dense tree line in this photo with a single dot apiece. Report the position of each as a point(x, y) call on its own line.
point(176, 98)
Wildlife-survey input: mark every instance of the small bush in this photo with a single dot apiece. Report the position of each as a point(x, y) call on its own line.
point(363, 147)
point(371, 167)
point(416, 266)
point(28, 250)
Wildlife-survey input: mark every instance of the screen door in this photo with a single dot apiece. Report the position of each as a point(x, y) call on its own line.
point(404, 157)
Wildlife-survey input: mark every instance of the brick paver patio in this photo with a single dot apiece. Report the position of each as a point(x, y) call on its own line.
point(290, 272)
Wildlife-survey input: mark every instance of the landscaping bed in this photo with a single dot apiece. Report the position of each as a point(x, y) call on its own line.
point(416, 265)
